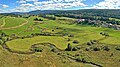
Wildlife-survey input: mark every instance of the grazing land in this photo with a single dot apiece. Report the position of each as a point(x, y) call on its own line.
point(59, 40)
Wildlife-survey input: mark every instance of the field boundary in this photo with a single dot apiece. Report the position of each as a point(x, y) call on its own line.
point(3, 23)
point(30, 51)
point(16, 26)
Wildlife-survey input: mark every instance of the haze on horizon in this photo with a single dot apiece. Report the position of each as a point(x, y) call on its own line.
point(30, 5)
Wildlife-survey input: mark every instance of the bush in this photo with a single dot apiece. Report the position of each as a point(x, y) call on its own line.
point(78, 47)
point(117, 48)
point(87, 49)
point(40, 19)
point(106, 48)
point(54, 50)
point(69, 47)
point(93, 41)
point(89, 43)
point(1, 42)
point(71, 35)
point(80, 60)
point(68, 39)
point(96, 49)
point(75, 41)
point(53, 30)
point(104, 33)
point(74, 49)
point(38, 49)
point(77, 54)
point(36, 19)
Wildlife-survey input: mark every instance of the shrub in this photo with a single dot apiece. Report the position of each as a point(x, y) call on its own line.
point(54, 50)
point(78, 47)
point(69, 47)
point(93, 41)
point(1, 42)
point(89, 43)
point(53, 30)
point(117, 48)
point(71, 35)
point(77, 54)
point(59, 54)
point(79, 59)
point(87, 49)
point(96, 49)
point(106, 48)
point(75, 41)
point(38, 49)
point(36, 19)
point(104, 33)
point(68, 39)
point(74, 49)
point(40, 19)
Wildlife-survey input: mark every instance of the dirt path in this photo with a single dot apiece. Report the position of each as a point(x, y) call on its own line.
point(3, 23)
point(14, 26)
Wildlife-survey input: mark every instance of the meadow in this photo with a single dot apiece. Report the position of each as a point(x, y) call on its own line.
point(60, 33)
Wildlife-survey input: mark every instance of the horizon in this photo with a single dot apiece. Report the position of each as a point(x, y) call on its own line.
point(8, 6)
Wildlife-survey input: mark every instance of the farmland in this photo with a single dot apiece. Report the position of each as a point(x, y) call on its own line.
point(56, 42)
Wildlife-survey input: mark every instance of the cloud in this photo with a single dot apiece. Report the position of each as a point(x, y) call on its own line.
point(25, 1)
point(29, 5)
point(26, 5)
point(4, 6)
point(108, 4)
point(47, 5)
point(21, 1)
point(23, 8)
point(60, 4)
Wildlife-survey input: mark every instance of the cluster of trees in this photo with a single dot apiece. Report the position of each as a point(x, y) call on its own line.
point(37, 19)
point(92, 12)
point(37, 49)
point(3, 38)
point(92, 42)
point(104, 34)
point(71, 48)
point(51, 17)
point(97, 48)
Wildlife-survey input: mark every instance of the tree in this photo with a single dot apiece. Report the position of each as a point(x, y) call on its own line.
point(96, 49)
point(69, 47)
point(75, 41)
point(36, 19)
point(117, 48)
point(106, 48)
point(1, 42)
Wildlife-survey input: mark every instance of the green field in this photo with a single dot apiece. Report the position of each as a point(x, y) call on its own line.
point(1, 21)
point(81, 33)
point(12, 21)
point(25, 44)
point(63, 32)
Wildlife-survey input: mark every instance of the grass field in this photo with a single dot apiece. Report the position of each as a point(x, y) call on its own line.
point(25, 44)
point(1, 22)
point(12, 21)
point(81, 33)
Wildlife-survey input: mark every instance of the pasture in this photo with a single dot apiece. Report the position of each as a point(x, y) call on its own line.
point(64, 32)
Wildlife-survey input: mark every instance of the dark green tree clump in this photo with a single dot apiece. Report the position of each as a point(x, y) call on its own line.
point(71, 48)
point(76, 41)
point(36, 19)
point(117, 48)
point(37, 49)
point(106, 48)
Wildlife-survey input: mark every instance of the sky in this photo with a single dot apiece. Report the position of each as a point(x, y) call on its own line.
point(31, 5)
